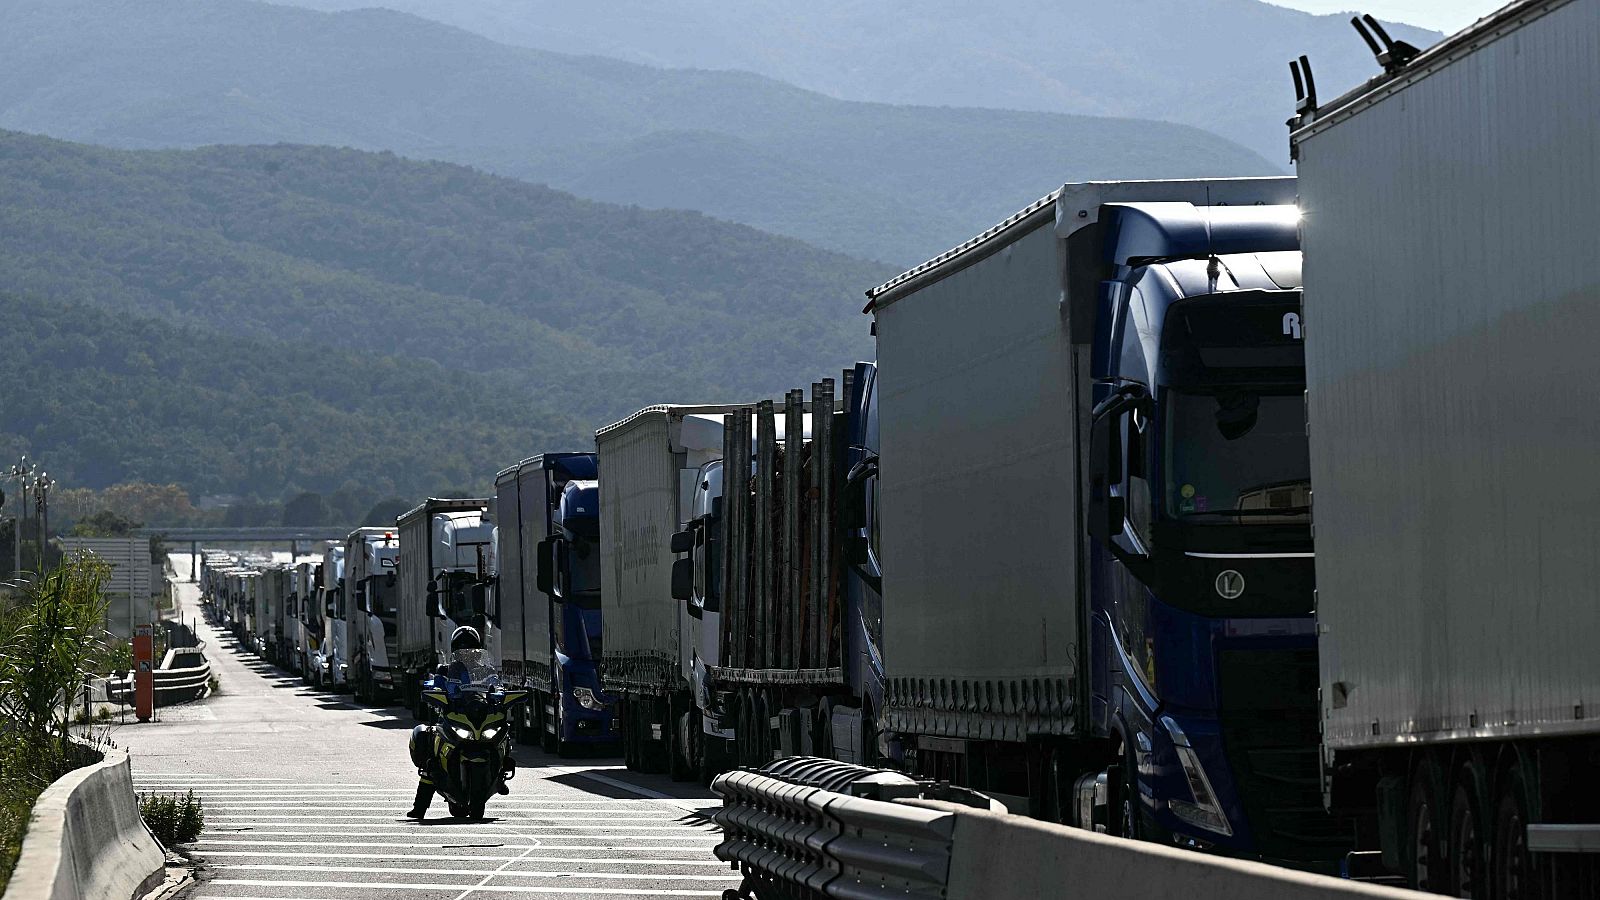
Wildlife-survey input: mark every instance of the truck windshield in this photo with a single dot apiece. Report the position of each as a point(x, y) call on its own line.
point(1237, 455)
point(583, 573)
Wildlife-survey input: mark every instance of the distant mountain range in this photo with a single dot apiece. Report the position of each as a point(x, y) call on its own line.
point(1220, 65)
point(892, 183)
point(296, 316)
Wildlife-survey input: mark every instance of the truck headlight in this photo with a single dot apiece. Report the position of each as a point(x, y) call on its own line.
point(1205, 812)
point(587, 699)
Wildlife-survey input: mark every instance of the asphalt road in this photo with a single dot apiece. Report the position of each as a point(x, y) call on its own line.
point(305, 795)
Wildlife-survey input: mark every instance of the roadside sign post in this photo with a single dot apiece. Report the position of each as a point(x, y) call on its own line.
point(144, 676)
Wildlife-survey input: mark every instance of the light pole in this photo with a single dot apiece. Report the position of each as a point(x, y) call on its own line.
point(22, 473)
point(41, 496)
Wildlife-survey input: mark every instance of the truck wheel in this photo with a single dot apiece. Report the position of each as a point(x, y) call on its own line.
point(563, 748)
point(1424, 864)
point(1466, 843)
point(630, 743)
point(1515, 877)
point(679, 744)
point(549, 722)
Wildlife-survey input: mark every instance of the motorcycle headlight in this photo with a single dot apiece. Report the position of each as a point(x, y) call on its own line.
point(462, 733)
point(492, 732)
point(587, 699)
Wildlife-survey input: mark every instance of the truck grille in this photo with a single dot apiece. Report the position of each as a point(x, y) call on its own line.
point(1271, 744)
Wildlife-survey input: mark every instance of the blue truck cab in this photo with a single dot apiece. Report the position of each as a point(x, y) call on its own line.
point(584, 715)
point(1203, 665)
point(548, 597)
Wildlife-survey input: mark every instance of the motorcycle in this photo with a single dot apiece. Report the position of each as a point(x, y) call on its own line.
point(472, 736)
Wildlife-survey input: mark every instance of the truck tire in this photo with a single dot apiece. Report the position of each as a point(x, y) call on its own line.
point(549, 722)
point(1423, 857)
point(1467, 863)
point(679, 744)
point(630, 741)
point(1513, 871)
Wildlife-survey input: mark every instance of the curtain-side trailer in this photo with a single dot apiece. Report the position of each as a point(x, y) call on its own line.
point(1452, 294)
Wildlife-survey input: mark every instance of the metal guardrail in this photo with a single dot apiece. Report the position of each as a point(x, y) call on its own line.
point(177, 685)
point(182, 685)
point(805, 828)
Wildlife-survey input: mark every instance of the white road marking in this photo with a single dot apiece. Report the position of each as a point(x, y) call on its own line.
point(474, 835)
point(254, 825)
point(447, 846)
point(498, 873)
point(356, 811)
point(496, 888)
point(593, 775)
point(445, 857)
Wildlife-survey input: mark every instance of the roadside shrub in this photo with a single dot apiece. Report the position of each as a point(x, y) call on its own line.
point(174, 819)
point(51, 634)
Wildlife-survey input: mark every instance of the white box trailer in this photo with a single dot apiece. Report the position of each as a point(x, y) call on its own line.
point(649, 465)
point(1452, 293)
point(444, 555)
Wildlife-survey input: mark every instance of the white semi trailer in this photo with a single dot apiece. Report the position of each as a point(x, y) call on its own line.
point(1451, 229)
point(649, 469)
point(445, 549)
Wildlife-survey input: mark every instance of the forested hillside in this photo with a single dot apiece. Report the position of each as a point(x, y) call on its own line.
point(893, 183)
point(418, 321)
point(1216, 64)
point(104, 397)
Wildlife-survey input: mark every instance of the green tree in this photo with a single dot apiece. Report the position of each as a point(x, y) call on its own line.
point(103, 524)
point(308, 508)
point(385, 512)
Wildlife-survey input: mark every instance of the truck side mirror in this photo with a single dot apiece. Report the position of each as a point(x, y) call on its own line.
point(361, 599)
point(545, 559)
point(683, 541)
point(481, 602)
point(436, 596)
point(853, 515)
point(683, 579)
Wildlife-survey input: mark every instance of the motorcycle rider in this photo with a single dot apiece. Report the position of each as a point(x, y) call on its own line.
point(448, 679)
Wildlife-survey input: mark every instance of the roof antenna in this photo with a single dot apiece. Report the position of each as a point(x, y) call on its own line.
point(1393, 55)
point(1213, 264)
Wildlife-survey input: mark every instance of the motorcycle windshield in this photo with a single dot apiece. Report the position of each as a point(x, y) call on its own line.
point(480, 670)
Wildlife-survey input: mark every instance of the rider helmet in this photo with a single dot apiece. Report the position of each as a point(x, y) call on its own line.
point(465, 638)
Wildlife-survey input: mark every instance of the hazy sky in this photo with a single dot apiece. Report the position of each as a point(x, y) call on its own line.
point(1448, 16)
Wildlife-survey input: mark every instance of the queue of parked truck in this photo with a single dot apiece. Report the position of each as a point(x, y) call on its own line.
point(1254, 516)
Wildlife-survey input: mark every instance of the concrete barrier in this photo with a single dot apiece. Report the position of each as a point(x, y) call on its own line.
point(995, 855)
point(86, 840)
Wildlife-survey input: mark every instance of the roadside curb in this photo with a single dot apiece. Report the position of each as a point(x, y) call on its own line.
point(86, 839)
point(180, 877)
